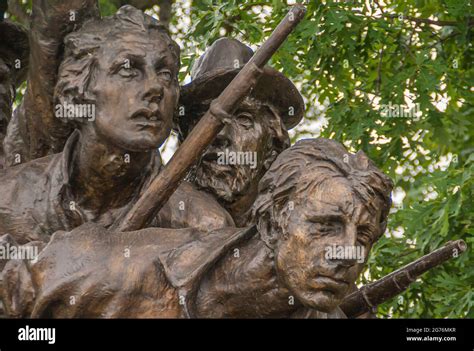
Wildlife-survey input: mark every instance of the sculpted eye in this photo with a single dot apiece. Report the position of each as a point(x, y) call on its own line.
point(245, 120)
point(363, 237)
point(325, 228)
point(127, 72)
point(165, 75)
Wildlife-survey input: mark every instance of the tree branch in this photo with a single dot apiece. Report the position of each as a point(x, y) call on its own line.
point(428, 21)
point(379, 73)
point(165, 13)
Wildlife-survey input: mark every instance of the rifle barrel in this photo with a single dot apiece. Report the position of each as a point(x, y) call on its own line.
point(373, 294)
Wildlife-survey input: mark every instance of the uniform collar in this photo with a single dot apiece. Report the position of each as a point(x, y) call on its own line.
point(61, 189)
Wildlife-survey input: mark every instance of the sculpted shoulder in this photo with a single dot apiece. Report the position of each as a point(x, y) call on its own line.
point(27, 171)
point(192, 208)
point(22, 188)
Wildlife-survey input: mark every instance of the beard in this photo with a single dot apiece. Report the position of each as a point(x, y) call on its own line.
point(227, 182)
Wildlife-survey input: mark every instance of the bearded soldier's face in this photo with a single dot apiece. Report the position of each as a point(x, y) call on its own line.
point(247, 139)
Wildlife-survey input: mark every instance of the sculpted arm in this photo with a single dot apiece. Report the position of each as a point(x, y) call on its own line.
point(34, 131)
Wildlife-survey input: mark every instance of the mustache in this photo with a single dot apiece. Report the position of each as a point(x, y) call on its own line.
point(225, 183)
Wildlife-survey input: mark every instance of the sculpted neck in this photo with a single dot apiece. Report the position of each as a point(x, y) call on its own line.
point(242, 276)
point(238, 209)
point(101, 176)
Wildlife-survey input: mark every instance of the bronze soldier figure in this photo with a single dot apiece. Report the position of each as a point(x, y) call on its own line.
point(314, 196)
point(256, 134)
point(117, 89)
point(34, 131)
point(13, 66)
point(126, 78)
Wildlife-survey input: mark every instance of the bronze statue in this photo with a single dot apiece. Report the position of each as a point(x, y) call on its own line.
point(34, 131)
point(314, 196)
point(13, 66)
point(232, 166)
point(127, 80)
point(374, 293)
point(115, 234)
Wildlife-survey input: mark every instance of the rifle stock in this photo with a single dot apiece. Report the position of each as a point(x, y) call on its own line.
point(373, 294)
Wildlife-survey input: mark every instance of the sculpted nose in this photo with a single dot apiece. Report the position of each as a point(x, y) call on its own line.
point(153, 95)
point(344, 262)
point(350, 237)
point(222, 139)
point(344, 251)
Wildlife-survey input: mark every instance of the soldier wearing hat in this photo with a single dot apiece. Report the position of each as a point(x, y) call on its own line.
point(246, 147)
point(13, 64)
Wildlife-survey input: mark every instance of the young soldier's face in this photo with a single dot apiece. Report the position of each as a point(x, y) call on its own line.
point(329, 217)
point(136, 91)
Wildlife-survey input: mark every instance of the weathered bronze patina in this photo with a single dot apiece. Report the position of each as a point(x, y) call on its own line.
point(206, 130)
point(244, 149)
point(114, 233)
point(314, 196)
point(127, 80)
point(34, 131)
point(13, 67)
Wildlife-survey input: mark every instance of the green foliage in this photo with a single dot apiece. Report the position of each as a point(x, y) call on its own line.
point(107, 7)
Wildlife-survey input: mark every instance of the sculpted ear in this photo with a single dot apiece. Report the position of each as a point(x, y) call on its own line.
point(268, 230)
point(66, 97)
point(60, 111)
point(280, 139)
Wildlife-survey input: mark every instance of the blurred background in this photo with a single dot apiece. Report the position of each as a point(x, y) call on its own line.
point(353, 61)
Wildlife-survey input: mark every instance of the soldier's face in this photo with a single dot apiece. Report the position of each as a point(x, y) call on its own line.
point(136, 91)
point(248, 139)
point(329, 235)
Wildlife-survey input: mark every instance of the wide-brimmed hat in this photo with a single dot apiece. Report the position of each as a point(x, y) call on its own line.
point(14, 46)
point(221, 62)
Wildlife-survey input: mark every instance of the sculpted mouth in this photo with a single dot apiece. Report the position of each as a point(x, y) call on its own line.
point(339, 280)
point(326, 283)
point(147, 117)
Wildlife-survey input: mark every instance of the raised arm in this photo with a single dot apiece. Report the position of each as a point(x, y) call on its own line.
point(34, 131)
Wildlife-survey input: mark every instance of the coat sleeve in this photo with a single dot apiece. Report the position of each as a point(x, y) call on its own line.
point(37, 132)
